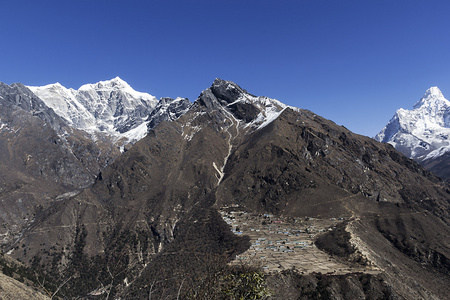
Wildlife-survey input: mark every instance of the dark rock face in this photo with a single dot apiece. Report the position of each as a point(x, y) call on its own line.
point(209, 100)
point(161, 196)
point(226, 91)
point(244, 111)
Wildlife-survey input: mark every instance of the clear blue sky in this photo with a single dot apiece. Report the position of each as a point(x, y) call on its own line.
point(354, 62)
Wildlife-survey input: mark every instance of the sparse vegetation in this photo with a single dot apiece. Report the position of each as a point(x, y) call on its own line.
point(290, 284)
point(245, 284)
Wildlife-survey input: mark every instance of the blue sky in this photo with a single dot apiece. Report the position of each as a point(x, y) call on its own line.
point(354, 62)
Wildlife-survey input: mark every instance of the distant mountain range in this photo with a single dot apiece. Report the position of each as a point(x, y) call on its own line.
point(110, 107)
point(423, 133)
point(100, 212)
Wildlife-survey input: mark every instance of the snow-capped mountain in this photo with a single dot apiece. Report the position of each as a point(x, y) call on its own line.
point(423, 132)
point(111, 106)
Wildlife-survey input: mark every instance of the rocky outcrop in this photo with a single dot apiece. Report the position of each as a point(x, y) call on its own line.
point(168, 109)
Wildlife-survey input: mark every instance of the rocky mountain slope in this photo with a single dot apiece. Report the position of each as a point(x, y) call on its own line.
point(423, 133)
point(149, 226)
point(54, 141)
point(41, 157)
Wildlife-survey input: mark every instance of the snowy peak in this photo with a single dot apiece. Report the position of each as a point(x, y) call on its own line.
point(432, 95)
point(115, 86)
point(424, 132)
point(115, 83)
point(433, 91)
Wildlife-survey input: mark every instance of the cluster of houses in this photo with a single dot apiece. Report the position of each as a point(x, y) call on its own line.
point(282, 243)
point(269, 233)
